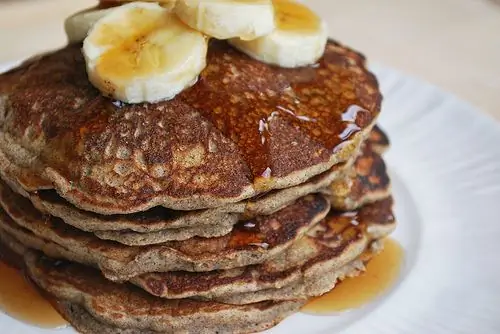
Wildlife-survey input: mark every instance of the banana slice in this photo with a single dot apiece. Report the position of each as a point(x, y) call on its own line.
point(78, 25)
point(141, 52)
point(169, 4)
point(298, 40)
point(224, 19)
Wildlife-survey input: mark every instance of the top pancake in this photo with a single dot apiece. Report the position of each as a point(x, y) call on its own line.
point(245, 128)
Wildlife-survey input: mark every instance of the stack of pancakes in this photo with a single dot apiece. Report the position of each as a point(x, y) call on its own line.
point(222, 210)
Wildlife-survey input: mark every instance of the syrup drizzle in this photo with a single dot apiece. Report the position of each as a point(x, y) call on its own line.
point(318, 107)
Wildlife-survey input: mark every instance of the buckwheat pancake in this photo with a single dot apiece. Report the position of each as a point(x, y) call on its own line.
point(366, 182)
point(245, 128)
point(379, 140)
point(93, 304)
point(249, 242)
point(310, 267)
point(179, 225)
point(85, 323)
point(345, 191)
point(159, 224)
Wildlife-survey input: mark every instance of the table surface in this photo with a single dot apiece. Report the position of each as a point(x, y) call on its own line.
point(454, 44)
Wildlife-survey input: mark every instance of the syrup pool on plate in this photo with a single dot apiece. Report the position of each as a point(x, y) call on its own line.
point(381, 273)
point(20, 300)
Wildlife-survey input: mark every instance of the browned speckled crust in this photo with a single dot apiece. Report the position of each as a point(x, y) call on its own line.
point(366, 182)
point(320, 255)
point(248, 243)
point(378, 140)
point(201, 149)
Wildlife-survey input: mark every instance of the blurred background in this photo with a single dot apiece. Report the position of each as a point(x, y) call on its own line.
point(454, 44)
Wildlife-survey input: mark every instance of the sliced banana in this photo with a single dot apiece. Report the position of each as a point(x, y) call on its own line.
point(78, 25)
point(169, 4)
point(298, 40)
point(224, 19)
point(141, 52)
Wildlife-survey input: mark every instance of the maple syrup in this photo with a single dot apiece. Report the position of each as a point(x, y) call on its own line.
point(268, 231)
point(246, 234)
point(20, 299)
point(381, 273)
point(262, 109)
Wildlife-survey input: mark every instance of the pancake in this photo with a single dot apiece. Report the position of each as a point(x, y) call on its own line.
point(358, 189)
point(85, 323)
point(250, 242)
point(243, 129)
point(160, 225)
point(265, 206)
point(177, 225)
point(93, 304)
point(310, 267)
point(378, 140)
point(366, 182)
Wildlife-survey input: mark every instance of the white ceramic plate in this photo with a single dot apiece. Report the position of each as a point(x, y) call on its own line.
point(445, 165)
